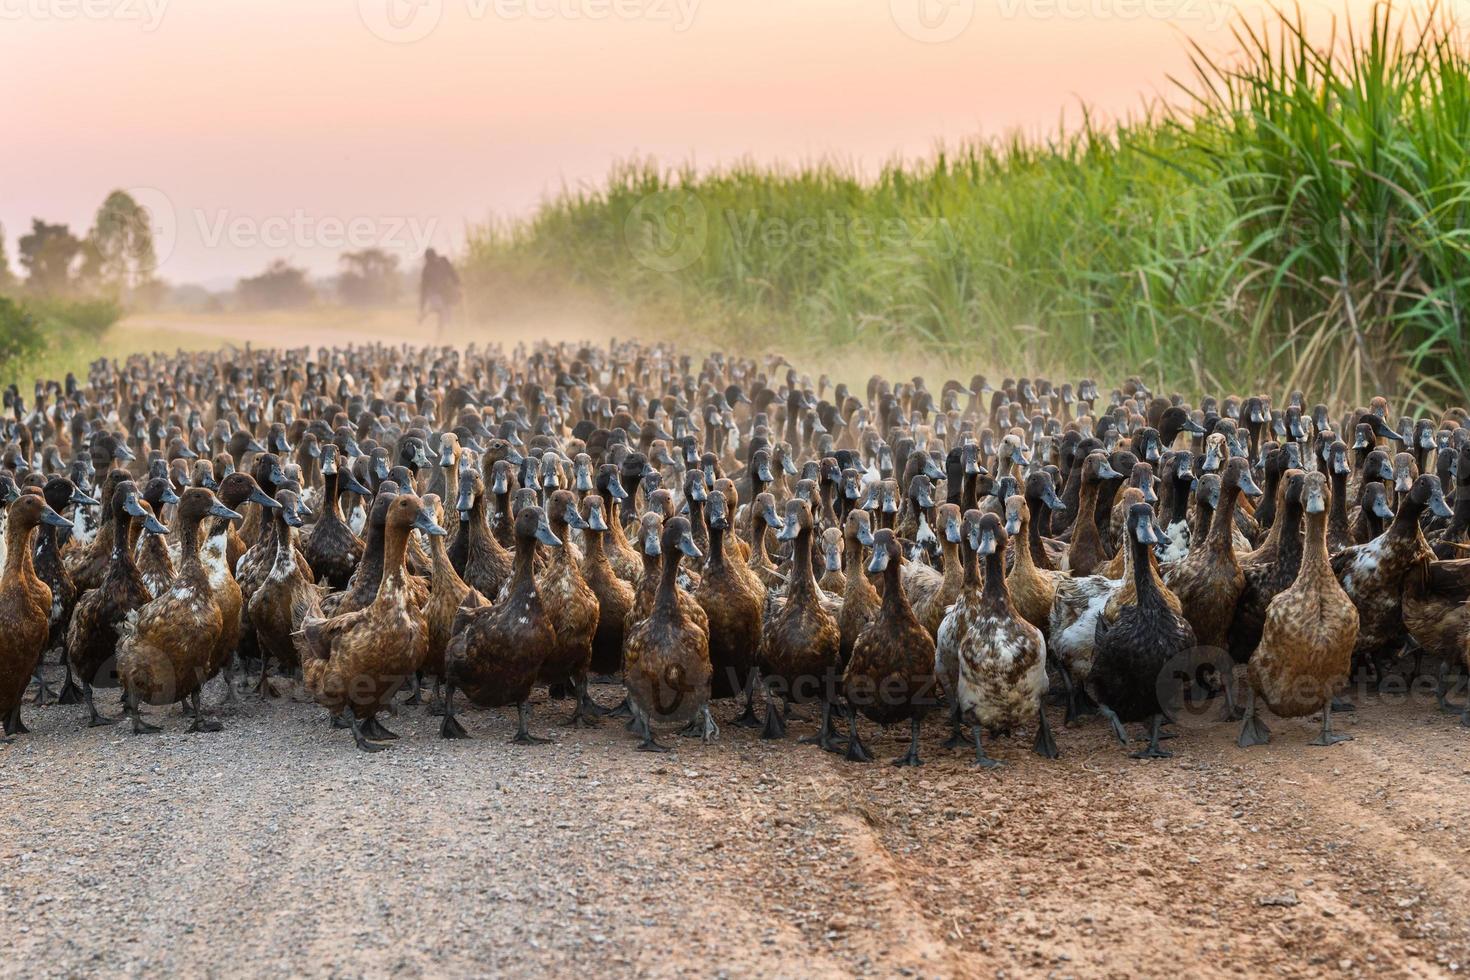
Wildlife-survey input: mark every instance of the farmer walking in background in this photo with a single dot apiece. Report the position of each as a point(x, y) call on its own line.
point(439, 289)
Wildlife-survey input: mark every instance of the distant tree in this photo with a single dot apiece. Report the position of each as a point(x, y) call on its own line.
point(121, 258)
point(280, 286)
point(7, 278)
point(368, 278)
point(50, 254)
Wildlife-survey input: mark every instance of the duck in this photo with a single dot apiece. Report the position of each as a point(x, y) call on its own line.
point(933, 594)
point(1270, 569)
point(151, 551)
point(889, 678)
point(1373, 514)
point(1308, 637)
point(1086, 551)
point(166, 648)
point(91, 636)
point(1209, 580)
point(833, 581)
point(801, 642)
point(1001, 658)
point(218, 540)
point(447, 591)
point(666, 663)
point(733, 601)
point(571, 605)
point(860, 600)
point(332, 550)
point(25, 605)
point(354, 663)
point(614, 593)
point(1134, 651)
point(487, 566)
point(1374, 574)
point(494, 655)
point(286, 597)
point(1033, 590)
point(59, 493)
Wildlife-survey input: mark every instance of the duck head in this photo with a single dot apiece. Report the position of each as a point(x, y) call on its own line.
point(1315, 493)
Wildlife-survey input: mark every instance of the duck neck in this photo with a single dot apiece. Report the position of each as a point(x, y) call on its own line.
point(523, 569)
point(1023, 564)
point(596, 551)
point(188, 541)
point(895, 603)
point(666, 601)
point(615, 538)
point(1222, 523)
point(395, 549)
point(285, 556)
point(954, 571)
point(1339, 515)
point(995, 591)
point(716, 559)
point(1316, 565)
point(972, 579)
point(19, 564)
point(1145, 585)
point(331, 485)
point(803, 580)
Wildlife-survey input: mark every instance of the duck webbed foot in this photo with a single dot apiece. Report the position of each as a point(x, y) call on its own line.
point(1079, 703)
point(1117, 725)
point(522, 736)
point(140, 727)
point(375, 730)
point(827, 735)
point(584, 715)
point(415, 685)
point(1327, 736)
point(911, 757)
point(1442, 689)
point(201, 724)
point(450, 728)
point(44, 694)
point(13, 724)
point(1253, 730)
point(359, 734)
point(70, 693)
point(96, 719)
point(1045, 746)
point(981, 759)
point(1341, 705)
point(775, 726)
point(1153, 751)
point(748, 717)
point(623, 710)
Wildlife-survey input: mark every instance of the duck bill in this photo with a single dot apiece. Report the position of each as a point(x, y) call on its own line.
point(1381, 509)
point(1248, 485)
point(986, 544)
point(574, 520)
point(1013, 524)
point(789, 530)
point(595, 520)
point(879, 562)
point(49, 516)
point(1316, 502)
point(292, 517)
point(689, 548)
point(1437, 506)
point(953, 533)
point(218, 509)
point(169, 497)
point(152, 525)
point(79, 499)
point(425, 522)
point(544, 535)
point(259, 496)
point(350, 484)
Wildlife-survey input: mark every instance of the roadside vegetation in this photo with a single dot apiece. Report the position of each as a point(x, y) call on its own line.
point(1297, 217)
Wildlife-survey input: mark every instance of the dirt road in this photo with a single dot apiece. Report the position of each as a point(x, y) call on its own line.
point(274, 846)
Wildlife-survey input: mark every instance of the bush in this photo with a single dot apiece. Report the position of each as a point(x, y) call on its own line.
point(20, 334)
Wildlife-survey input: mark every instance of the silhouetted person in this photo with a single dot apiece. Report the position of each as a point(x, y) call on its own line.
point(439, 290)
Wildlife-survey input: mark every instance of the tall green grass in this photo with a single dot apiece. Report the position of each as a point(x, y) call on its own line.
point(1295, 218)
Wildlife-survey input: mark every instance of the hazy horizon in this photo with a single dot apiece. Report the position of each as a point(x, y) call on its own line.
point(272, 129)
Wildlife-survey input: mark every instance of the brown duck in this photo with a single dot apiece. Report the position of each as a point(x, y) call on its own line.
point(890, 677)
point(167, 649)
point(25, 605)
point(1307, 640)
point(354, 663)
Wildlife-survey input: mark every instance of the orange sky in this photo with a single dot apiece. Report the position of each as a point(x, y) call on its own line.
point(294, 128)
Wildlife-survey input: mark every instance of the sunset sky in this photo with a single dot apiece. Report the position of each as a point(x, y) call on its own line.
point(259, 129)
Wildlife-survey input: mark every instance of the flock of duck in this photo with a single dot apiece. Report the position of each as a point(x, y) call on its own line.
point(372, 521)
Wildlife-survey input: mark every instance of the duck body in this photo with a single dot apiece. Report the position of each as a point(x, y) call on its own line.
point(355, 662)
point(1002, 657)
point(1134, 651)
point(732, 599)
point(495, 653)
point(571, 605)
point(614, 594)
point(168, 648)
point(25, 606)
point(666, 664)
point(286, 597)
point(1309, 633)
